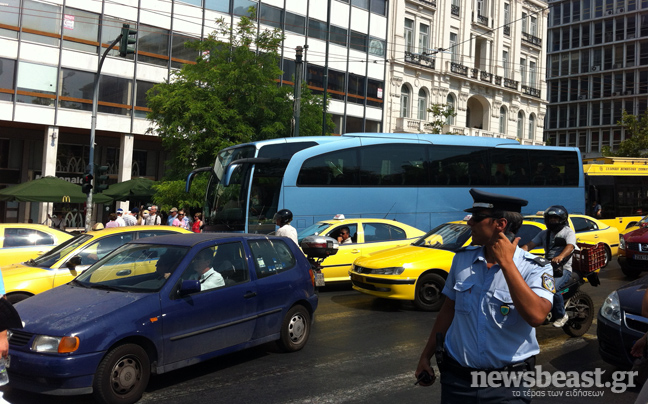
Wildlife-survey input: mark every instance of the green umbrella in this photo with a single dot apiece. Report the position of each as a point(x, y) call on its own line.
point(49, 189)
point(135, 189)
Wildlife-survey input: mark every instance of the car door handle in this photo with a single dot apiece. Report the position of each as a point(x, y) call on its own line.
point(355, 251)
point(249, 295)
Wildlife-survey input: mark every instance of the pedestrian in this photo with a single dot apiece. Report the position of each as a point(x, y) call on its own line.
point(496, 293)
point(173, 213)
point(120, 220)
point(154, 218)
point(129, 217)
point(57, 221)
point(185, 220)
point(179, 221)
point(197, 224)
point(112, 221)
point(559, 243)
point(282, 219)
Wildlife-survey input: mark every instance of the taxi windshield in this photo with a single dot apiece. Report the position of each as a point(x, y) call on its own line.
point(134, 268)
point(313, 230)
point(54, 255)
point(448, 236)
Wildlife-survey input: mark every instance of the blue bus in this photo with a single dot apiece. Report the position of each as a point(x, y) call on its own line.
point(418, 179)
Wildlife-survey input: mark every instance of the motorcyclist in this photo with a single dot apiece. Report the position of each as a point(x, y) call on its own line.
point(282, 219)
point(559, 242)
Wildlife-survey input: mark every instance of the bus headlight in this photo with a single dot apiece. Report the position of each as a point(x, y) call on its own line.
point(621, 242)
point(611, 309)
point(388, 271)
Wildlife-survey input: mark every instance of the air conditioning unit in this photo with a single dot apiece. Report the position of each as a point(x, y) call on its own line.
point(620, 10)
point(596, 68)
point(631, 36)
point(617, 93)
point(618, 65)
point(582, 97)
point(608, 12)
point(629, 92)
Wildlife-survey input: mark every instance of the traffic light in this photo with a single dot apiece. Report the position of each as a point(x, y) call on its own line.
point(126, 40)
point(101, 183)
point(86, 183)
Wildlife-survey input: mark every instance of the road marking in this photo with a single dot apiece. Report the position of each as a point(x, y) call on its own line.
point(560, 341)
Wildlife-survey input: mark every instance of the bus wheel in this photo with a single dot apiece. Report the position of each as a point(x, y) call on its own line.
point(428, 295)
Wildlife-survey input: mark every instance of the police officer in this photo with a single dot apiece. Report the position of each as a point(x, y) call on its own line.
point(496, 294)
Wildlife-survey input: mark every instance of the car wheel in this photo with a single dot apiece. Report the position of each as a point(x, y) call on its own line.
point(581, 307)
point(608, 256)
point(630, 273)
point(295, 329)
point(122, 375)
point(17, 297)
point(428, 296)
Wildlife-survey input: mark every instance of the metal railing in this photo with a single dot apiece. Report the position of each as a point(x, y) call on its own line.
point(531, 39)
point(458, 68)
point(531, 91)
point(420, 59)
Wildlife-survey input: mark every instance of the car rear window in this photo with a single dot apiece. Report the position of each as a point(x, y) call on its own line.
point(271, 257)
point(17, 237)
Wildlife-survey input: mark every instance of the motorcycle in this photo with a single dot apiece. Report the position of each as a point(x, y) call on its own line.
point(579, 306)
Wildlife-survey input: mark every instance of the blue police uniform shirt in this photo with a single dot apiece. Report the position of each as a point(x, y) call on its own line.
point(487, 332)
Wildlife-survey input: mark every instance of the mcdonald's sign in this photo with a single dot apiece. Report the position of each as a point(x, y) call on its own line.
point(65, 198)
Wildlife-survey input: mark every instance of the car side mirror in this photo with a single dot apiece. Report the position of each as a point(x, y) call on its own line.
point(188, 287)
point(73, 262)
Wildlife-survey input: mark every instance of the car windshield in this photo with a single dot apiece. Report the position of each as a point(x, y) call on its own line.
point(134, 268)
point(52, 256)
point(643, 221)
point(448, 236)
point(313, 230)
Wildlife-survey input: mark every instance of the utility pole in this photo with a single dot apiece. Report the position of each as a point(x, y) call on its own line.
point(124, 50)
point(299, 68)
point(326, 60)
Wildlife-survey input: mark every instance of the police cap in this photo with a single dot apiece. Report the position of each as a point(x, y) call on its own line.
point(488, 200)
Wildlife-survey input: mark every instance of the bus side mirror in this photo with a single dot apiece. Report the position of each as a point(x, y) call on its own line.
point(227, 175)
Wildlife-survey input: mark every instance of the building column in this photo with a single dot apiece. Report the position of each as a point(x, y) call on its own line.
point(125, 163)
point(50, 149)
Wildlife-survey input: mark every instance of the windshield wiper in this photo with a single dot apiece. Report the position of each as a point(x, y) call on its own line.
point(106, 287)
point(74, 282)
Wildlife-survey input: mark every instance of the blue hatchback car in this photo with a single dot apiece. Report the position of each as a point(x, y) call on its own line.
point(159, 304)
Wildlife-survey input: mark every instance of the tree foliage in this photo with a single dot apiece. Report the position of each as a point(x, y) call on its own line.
point(229, 96)
point(636, 133)
point(440, 114)
point(172, 193)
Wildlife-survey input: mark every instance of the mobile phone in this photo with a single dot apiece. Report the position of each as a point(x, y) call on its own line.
point(509, 235)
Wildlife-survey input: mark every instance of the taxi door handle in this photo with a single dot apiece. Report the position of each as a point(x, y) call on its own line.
point(355, 251)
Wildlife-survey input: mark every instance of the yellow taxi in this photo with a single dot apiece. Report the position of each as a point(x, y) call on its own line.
point(69, 259)
point(22, 241)
point(418, 272)
point(367, 236)
point(591, 231)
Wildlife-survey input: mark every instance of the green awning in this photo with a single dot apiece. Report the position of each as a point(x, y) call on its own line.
point(49, 189)
point(134, 189)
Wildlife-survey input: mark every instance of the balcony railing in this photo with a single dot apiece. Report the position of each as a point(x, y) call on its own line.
point(482, 20)
point(507, 30)
point(459, 69)
point(498, 80)
point(531, 39)
point(534, 92)
point(419, 59)
point(511, 83)
point(486, 76)
point(431, 3)
point(474, 73)
point(454, 10)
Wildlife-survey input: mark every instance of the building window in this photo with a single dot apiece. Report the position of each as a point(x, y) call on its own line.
point(141, 107)
point(181, 54)
point(454, 48)
point(534, 26)
point(375, 93)
point(378, 7)
point(34, 78)
point(531, 126)
point(363, 4)
point(358, 41)
point(524, 23)
point(450, 100)
point(44, 19)
point(155, 43)
point(295, 23)
point(338, 36)
point(7, 69)
point(422, 105)
point(481, 8)
point(507, 18)
point(9, 18)
point(532, 74)
point(79, 28)
point(520, 125)
point(218, 5)
point(271, 16)
point(241, 7)
point(409, 35)
point(523, 71)
point(424, 38)
point(376, 47)
point(405, 101)
point(317, 29)
point(502, 120)
point(505, 63)
point(356, 89)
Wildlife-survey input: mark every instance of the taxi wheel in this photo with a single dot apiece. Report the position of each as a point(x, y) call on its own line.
point(581, 307)
point(295, 329)
point(608, 256)
point(122, 375)
point(428, 295)
point(17, 297)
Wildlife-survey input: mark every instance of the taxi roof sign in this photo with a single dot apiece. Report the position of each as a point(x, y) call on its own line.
point(339, 216)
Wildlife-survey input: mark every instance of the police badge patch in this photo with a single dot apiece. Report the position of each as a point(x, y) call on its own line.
point(548, 283)
point(505, 309)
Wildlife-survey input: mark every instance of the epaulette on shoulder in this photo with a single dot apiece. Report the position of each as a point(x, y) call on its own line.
point(539, 260)
point(468, 248)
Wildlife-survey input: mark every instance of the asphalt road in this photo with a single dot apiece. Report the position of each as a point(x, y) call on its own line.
point(362, 350)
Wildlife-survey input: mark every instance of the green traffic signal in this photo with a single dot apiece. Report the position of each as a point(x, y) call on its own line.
point(126, 40)
point(101, 178)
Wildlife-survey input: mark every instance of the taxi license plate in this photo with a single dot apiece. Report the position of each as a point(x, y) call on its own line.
point(358, 278)
point(641, 257)
point(319, 279)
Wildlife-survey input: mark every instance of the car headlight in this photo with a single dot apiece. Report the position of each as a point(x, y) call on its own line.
point(621, 242)
point(388, 271)
point(47, 344)
point(611, 309)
